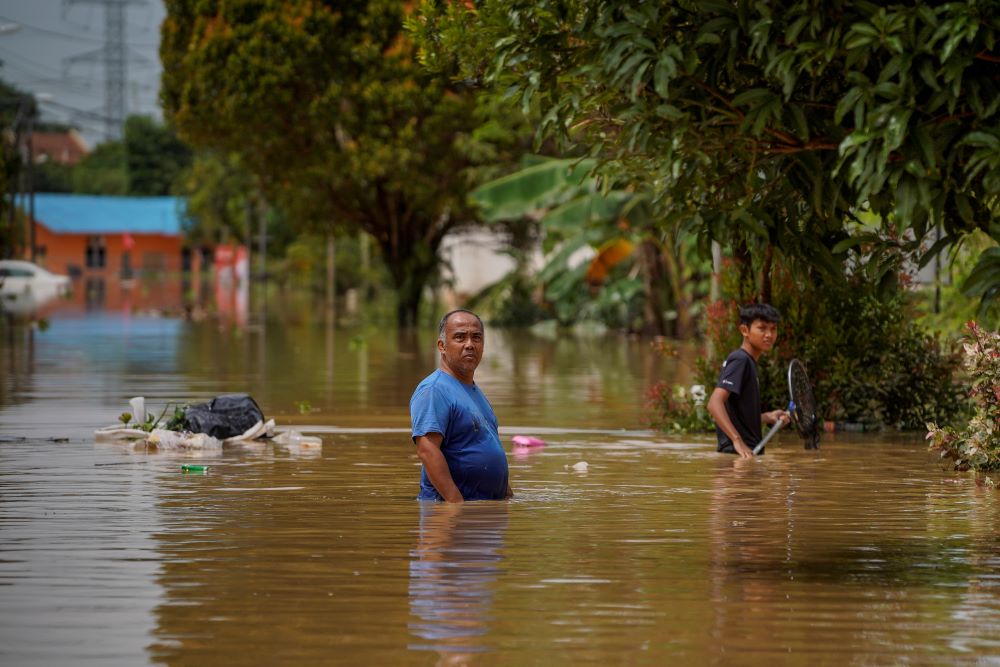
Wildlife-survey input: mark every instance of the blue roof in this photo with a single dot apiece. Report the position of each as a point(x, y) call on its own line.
point(94, 214)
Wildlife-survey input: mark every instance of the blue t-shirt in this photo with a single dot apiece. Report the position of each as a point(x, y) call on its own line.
point(470, 436)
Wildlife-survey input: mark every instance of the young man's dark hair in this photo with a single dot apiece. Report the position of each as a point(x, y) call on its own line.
point(759, 311)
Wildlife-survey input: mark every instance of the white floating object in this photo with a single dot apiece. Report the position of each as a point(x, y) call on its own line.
point(581, 466)
point(295, 439)
point(138, 405)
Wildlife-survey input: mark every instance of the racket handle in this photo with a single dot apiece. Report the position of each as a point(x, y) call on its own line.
point(774, 429)
point(770, 434)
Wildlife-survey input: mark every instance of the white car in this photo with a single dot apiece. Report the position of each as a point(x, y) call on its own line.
point(26, 284)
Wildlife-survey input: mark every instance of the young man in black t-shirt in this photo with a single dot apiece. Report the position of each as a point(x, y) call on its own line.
point(735, 402)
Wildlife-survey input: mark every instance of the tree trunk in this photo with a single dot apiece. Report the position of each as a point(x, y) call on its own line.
point(651, 264)
point(674, 263)
point(765, 275)
point(331, 276)
point(407, 309)
point(410, 274)
point(747, 290)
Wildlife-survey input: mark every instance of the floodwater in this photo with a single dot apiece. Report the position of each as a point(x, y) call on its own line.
point(658, 551)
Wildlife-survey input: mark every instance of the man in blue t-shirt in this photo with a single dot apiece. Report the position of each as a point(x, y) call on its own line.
point(454, 427)
point(735, 401)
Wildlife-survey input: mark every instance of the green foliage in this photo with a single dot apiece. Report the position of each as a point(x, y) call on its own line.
point(984, 279)
point(176, 421)
point(219, 194)
point(148, 161)
point(977, 446)
point(577, 209)
point(867, 358)
point(17, 109)
point(544, 184)
point(304, 260)
point(326, 106)
point(509, 302)
point(768, 124)
point(946, 308)
point(52, 176)
point(154, 157)
point(152, 421)
point(103, 171)
point(573, 214)
point(678, 409)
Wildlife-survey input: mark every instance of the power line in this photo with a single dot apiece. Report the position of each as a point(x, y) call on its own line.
point(92, 115)
point(42, 73)
point(66, 35)
point(14, 56)
point(112, 54)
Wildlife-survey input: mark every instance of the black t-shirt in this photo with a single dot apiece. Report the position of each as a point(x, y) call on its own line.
point(739, 378)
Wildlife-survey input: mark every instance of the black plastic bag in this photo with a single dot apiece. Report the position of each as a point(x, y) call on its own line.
point(224, 416)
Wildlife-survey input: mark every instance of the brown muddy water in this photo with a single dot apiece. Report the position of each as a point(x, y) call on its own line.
point(659, 552)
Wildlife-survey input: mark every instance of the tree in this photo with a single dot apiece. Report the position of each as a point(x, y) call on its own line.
point(154, 157)
point(573, 212)
point(218, 192)
point(103, 171)
point(148, 161)
point(52, 176)
point(325, 104)
point(771, 125)
point(17, 111)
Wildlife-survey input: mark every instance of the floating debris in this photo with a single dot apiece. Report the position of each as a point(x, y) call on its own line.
point(527, 441)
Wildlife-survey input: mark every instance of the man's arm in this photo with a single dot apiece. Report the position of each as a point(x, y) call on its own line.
point(717, 408)
point(429, 452)
point(773, 416)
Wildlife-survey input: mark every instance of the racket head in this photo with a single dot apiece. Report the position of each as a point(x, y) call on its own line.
point(803, 404)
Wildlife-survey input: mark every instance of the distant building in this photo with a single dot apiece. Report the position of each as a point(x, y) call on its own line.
point(106, 245)
point(60, 147)
point(119, 237)
point(476, 259)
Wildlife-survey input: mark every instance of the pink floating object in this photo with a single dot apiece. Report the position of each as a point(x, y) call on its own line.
point(527, 441)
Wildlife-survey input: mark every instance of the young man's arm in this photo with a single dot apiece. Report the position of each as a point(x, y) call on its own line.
point(717, 408)
point(429, 452)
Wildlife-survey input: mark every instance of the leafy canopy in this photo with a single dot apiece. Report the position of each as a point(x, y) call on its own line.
point(773, 120)
point(325, 104)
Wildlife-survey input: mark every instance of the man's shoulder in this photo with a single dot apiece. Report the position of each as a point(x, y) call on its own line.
point(741, 357)
point(435, 383)
point(737, 356)
point(430, 379)
point(737, 367)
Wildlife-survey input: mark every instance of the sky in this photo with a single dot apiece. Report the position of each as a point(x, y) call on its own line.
point(36, 57)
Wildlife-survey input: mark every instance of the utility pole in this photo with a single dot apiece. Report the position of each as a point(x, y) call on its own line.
point(113, 56)
point(30, 173)
point(22, 186)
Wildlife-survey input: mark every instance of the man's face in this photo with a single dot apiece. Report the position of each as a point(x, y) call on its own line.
point(462, 347)
point(760, 335)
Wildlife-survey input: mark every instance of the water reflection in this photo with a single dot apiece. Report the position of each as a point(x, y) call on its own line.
point(750, 532)
point(25, 304)
point(453, 571)
point(864, 552)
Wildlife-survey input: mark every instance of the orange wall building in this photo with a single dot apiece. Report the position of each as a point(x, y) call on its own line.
point(107, 244)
